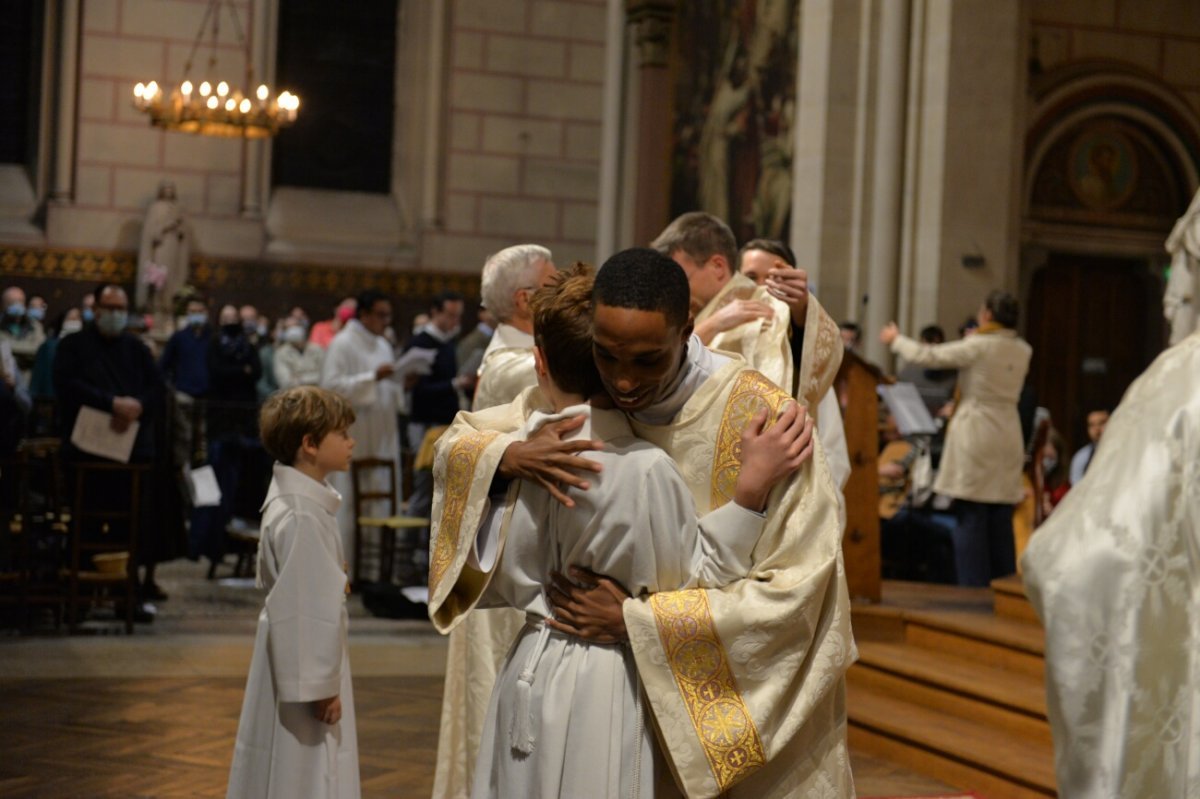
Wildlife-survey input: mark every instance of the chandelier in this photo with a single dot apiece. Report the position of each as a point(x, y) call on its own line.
point(214, 107)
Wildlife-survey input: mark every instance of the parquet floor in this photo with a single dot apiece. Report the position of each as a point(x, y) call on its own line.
point(165, 737)
point(154, 716)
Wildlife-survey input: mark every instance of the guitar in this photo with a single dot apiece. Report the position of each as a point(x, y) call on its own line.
point(893, 491)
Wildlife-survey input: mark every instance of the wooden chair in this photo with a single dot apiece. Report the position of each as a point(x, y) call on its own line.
point(387, 525)
point(34, 548)
point(114, 554)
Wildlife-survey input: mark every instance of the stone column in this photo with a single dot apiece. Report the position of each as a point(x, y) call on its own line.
point(887, 174)
point(652, 21)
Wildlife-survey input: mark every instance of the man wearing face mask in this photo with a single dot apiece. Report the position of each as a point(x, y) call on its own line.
point(233, 370)
point(184, 364)
point(297, 361)
point(107, 368)
point(23, 333)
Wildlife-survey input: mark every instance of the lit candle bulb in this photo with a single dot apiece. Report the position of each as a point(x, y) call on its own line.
point(230, 104)
point(186, 88)
point(139, 90)
point(263, 92)
point(151, 90)
point(244, 105)
point(213, 102)
point(205, 89)
point(222, 89)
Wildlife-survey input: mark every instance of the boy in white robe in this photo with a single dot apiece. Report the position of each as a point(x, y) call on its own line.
point(565, 717)
point(296, 736)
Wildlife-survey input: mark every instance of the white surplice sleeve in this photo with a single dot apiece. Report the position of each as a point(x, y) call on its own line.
point(359, 387)
point(307, 630)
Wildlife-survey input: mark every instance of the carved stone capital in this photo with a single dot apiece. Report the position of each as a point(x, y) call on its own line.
point(652, 21)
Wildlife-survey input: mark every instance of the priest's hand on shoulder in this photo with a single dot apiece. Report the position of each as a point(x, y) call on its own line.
point(328, 710)
point(549, 461)
point(588, 606)
point(771, 454)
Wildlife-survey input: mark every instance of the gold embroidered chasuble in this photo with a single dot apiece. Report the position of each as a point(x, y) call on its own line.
point(477, 646)
point(746, 683)
point(766, 344)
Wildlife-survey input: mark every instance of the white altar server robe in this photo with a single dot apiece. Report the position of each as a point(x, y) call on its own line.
point(300, 654)
point(566, 718)
point(354, 355)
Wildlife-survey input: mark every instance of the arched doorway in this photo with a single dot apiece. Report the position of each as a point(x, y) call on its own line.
point(1112, 162)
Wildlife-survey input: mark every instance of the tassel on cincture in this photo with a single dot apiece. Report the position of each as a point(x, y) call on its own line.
point(521, 731)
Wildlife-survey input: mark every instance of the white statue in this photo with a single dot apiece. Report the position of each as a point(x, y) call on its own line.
point(1180, 298)
point(162, 256)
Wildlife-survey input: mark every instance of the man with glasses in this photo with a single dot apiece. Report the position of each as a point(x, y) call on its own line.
point(107, 368)
point(360, 365)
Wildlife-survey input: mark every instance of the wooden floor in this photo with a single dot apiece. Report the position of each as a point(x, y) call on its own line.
point(155, 714)
point(174, 738)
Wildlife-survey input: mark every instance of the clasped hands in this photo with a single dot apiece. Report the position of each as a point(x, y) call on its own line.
point(125, 411)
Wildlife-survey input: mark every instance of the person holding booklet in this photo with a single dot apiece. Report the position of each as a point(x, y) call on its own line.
point(361, 366)
point(109, 370)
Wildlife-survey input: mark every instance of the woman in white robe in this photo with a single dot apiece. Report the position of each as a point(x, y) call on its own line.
point(566, 717)
point(300, 654)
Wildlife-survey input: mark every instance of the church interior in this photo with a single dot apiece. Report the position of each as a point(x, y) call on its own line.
point(282, 156)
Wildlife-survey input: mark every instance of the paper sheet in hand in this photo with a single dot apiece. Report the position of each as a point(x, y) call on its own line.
point(206, 493)
point(93, 433)
point(418, 361)
point(906, 405)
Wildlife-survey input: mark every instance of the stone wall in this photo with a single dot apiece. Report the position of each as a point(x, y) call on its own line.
point(1161, 38)
point(515, 102)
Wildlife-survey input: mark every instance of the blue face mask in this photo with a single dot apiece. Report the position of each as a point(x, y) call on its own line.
point(112, 323)
point(37, 314)
point(88, 315)
point(17, 309)
point(197, 319)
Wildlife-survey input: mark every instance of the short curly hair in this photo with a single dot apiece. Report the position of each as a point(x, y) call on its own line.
point(288, 416)
point(562, 328)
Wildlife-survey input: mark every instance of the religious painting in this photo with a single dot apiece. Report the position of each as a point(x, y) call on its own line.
point(1109, 172)
point(735, 100)
point(1103, 170)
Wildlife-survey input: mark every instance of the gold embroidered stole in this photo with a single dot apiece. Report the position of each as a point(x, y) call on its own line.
point(740, 675)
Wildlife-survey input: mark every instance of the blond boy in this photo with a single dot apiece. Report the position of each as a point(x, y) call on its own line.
point(296, 737)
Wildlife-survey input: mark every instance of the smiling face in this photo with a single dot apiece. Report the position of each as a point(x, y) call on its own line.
point(637, 353)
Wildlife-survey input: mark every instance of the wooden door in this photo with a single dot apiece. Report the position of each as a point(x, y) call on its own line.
point(1095, 324)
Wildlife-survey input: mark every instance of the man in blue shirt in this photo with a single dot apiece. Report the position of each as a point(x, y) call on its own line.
point(184, 363)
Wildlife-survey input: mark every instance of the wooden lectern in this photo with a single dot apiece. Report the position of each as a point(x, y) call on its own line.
point(855, 384)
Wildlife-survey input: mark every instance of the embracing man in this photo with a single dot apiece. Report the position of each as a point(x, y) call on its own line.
point(747, 682)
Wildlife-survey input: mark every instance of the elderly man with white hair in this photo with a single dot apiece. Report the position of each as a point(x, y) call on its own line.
point(509, 279)
point(479, 644)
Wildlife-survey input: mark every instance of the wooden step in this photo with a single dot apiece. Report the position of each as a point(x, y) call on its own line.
point(967, 753)
point(1003, 642)
point(1014, 691)
point(1009, 600)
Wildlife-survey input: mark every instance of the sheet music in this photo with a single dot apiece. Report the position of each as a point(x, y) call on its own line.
point(418, 360)
point(907, 407)
point(94, 434)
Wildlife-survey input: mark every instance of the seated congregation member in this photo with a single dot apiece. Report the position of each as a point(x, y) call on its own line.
point(1096, 422)
point(107, 368)
point(777, 643)
point(560, 700)
point(984, 453)
point(296, 736)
